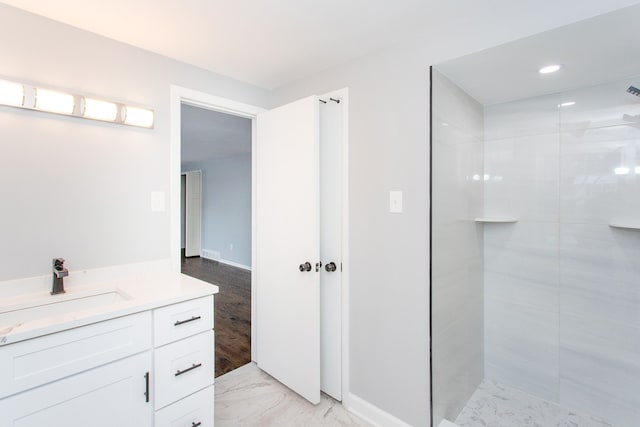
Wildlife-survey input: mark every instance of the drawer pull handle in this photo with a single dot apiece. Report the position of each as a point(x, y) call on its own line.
point(194, 366)
point(146, 384)
point(194, 424)
point(182, 322)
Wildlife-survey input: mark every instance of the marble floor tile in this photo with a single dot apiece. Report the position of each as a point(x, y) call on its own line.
point(494, 405)
point(248, 396)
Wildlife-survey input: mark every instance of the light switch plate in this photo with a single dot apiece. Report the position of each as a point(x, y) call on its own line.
point(395, 201)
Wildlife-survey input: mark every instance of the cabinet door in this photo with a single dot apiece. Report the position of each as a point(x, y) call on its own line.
point(108, 396)
point(29, 364)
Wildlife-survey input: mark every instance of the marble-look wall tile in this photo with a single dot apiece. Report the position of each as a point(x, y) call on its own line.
point(532, 116)
point(522, 177)
point(453, 106)
point(605, 386)
point(521, 306)
point(599, 179)
point(459, 244)
point(600, 321)
point(507, 289)
point(602, 105)
point(526, 250)
point(522, 348)
point(562, 289)
point(600, 272)
point(457, 179)
point(457, 281)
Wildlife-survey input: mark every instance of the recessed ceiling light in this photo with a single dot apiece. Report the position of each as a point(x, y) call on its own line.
point(549, 69)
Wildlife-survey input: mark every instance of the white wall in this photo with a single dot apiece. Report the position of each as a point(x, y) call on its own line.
point(561, 273)
point(226, 207)
point(457, 244)
point(81, 189)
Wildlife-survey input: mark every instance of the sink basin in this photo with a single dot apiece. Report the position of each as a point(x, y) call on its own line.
point(54, 305)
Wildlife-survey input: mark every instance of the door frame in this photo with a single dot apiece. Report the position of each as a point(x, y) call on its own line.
point(180, 95)
point(188, 212)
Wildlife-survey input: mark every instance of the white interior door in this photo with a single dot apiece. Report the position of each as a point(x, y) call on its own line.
point(331, 248)
point(287, 219)
point(193, 209)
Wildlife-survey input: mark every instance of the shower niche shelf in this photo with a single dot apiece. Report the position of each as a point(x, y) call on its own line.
point(496, 219)
point(625, 225)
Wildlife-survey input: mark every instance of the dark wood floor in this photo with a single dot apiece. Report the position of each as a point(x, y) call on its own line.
point(232, 310)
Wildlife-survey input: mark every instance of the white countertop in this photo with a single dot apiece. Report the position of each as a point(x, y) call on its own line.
point(142, 292)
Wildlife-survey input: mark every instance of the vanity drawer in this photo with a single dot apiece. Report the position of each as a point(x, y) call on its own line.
point(183, 367)
point(182, 320)
point(195, 410)
point(31, 363)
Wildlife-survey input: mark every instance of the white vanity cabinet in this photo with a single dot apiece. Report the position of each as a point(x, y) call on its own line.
point(184, 363)
point(155, 367)
point(94, 375)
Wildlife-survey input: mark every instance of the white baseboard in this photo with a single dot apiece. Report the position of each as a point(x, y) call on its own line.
point(231, 263)
point(371, 413)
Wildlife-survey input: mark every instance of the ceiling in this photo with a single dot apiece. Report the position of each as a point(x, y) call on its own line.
point(272, 43)
point(208, 135)
point(593, 51)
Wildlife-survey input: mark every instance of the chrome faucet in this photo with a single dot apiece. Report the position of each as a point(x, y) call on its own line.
point(59, 272)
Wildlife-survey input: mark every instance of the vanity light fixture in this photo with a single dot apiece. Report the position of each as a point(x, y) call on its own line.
point(11, 93)
point(30, 97)
point(550, 69)
point(566, 104)
point(135, 116)
point(99, 110)
point(54, 102)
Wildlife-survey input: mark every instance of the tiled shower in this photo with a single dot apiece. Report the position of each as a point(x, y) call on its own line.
point(536, 249)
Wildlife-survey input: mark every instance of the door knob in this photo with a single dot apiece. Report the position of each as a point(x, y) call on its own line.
point(330, 267)
point(305, 267)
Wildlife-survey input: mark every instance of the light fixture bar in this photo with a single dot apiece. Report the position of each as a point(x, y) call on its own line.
point(30, 97)
point(99, 110)
point(135, 116)
point(11, 93)
point(54, 102)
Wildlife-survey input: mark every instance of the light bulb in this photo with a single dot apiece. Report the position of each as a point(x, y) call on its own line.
point(54, 102)
point(100, 110)
point(11, 93)
point(135, 116)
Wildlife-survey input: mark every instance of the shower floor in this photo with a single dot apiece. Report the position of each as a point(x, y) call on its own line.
point(496, 405)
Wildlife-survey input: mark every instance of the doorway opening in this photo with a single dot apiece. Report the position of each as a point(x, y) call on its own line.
point(180, 96)
point(216, 199)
